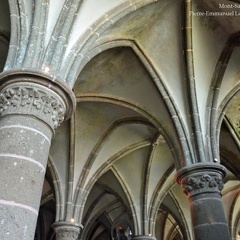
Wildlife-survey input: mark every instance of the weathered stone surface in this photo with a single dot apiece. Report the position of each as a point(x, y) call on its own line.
point(16, 223)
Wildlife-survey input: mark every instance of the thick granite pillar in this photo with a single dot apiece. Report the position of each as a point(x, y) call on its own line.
point(31, 107)
point(66, 230)
point(203, 184)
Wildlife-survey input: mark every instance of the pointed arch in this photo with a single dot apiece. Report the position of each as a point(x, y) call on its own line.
point(57, 189)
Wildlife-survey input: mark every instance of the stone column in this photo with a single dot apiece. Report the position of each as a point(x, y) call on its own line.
point(31, 107)
point(144, 237)
point(203, 184)
point(66, 230)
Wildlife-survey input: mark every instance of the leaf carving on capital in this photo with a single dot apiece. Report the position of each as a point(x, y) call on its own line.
point(66, 233)
point(202, 182)
point(22, 98)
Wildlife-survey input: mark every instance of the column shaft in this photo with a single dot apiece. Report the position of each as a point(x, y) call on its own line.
point(208, 217)
point(24, 147)
point(31, 107)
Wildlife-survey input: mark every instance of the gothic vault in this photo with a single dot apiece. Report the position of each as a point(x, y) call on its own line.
point(119, 119)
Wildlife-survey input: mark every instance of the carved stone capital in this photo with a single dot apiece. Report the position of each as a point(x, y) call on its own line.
point(201, 178)
point(144, 237)
point(32, 99)
point(36, 95)
point(66, 230)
